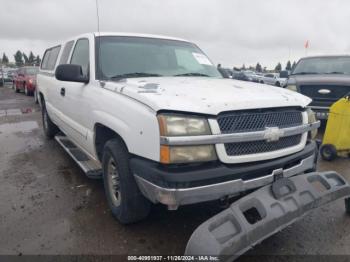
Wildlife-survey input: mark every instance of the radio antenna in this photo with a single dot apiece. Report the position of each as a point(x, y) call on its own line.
point(98, 18)
point(99, 42)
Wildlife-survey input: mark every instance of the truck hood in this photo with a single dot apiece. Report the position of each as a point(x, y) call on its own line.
point(205, 95)
point(320, 79)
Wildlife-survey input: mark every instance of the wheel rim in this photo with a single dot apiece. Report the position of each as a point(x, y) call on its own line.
point(113, 182)
point(25, 90)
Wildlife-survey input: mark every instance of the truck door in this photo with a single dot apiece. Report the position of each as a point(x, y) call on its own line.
point(74, 104)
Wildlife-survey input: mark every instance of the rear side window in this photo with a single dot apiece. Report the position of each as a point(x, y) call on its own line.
point(45, 59)
point(50, 58)
point(80, 55)
point(53, 57)
point(65, 53)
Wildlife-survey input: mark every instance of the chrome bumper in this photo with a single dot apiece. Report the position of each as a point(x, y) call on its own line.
point(183, 196)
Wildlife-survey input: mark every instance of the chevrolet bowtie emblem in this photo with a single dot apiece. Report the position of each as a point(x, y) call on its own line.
point(273, 134)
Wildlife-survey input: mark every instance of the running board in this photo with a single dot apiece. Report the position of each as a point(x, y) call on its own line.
point(92, 168)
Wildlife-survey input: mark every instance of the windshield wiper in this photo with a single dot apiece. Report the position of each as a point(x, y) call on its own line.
point(305, 73)
point(193, 74)
point(136, 74)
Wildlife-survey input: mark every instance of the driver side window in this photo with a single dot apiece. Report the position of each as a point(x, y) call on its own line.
point(80, 55)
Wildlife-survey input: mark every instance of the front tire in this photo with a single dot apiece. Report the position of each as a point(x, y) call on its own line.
point(50, 129)
point(125, 200)
point(347, 205)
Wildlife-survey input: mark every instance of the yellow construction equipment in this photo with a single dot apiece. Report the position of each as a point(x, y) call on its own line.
point(336, 140)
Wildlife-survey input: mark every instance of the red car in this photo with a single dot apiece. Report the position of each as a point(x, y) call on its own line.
point(26, 80)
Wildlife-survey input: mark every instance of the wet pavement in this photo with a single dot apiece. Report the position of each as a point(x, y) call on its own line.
point(48, 206)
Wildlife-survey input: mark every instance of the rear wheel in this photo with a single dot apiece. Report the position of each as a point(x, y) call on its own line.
point(328, 152)
point(50, 129)
point(125, 200)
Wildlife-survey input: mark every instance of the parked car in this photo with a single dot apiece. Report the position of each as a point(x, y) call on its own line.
point(244, 76)
point(325, 79)
point(273, 79)
point(26, 80)
point(155, 119)
point(257, 77)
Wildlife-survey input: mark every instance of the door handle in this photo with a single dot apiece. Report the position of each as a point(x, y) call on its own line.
point(63, 91)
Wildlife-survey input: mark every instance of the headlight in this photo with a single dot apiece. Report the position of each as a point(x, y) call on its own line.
point(178, 125)
point(312, 119)
point(182, 125)
point(187, 154)
point(292, 88)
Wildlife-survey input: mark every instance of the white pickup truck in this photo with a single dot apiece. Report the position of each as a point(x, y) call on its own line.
point(155, 119)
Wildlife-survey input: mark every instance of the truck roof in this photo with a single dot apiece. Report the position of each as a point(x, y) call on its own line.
point(138, 35)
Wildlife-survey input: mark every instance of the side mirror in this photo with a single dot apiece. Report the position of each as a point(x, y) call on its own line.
point(71, 73)
point(284, 74)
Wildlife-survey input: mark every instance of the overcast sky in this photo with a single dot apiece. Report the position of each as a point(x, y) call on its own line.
point(231, 32)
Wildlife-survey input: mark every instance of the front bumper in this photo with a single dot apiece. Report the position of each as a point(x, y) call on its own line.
point(263, 213)
point(175, 188)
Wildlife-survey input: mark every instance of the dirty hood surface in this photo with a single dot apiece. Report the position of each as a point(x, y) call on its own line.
point(205, 95)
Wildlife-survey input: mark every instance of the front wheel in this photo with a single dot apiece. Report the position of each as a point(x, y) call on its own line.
point(125, 200)
point(347, 206)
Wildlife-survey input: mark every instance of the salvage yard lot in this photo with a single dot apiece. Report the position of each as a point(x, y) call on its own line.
point(48, 206)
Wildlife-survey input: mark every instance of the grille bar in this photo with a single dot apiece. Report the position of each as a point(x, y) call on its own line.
point(256, 147)
point(258, 121)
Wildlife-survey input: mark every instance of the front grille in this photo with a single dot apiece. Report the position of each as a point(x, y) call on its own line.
point(312, 91)
point(259, 120)
point(256, 147)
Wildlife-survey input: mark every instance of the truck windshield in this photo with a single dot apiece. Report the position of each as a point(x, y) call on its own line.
point(126, 57)
point(323, 65)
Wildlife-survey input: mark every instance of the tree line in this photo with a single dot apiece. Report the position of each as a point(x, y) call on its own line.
point(22, 59)
point(278, 67)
